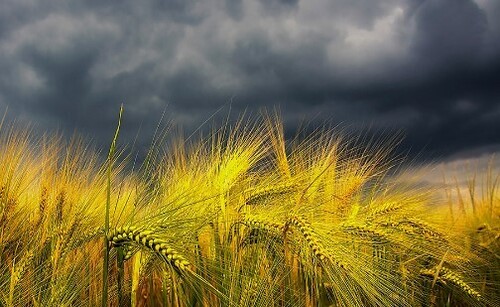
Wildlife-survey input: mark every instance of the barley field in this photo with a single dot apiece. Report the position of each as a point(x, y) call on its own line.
point(239, 217)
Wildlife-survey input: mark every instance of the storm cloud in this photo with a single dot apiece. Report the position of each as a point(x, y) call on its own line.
point(429, 68)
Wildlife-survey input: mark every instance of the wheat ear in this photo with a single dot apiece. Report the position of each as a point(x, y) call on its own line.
point(446, 275)
point(257, 195)
point(81, 238)
point(415, 226)
point(385, 209)
point(366, 232)
point(304, 227)
point(146, 238)
point(262, 224)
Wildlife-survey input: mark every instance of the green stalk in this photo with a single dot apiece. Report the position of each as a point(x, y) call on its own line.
point(121, 274)
point(104, 302)
point(164, 292)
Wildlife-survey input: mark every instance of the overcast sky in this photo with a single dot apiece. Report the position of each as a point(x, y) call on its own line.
point(430, 68)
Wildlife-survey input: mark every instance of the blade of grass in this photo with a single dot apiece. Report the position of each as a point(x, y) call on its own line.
point(111, 153)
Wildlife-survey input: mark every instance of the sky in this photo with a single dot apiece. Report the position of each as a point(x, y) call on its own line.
point(428, 68)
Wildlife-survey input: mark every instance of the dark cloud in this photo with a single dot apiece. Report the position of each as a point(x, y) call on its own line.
point(278, 6)
point(429, 68)
point(448, 34)
point(234, 8)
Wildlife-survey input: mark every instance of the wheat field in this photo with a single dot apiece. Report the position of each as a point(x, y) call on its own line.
point(239, 217)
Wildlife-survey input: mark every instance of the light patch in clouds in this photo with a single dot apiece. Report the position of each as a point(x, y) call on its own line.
point(365, 46)
point(457, 175)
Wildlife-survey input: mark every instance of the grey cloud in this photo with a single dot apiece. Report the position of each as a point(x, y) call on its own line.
point(431, 68)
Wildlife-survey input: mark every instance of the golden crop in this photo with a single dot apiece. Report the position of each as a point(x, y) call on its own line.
point(241, 217)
